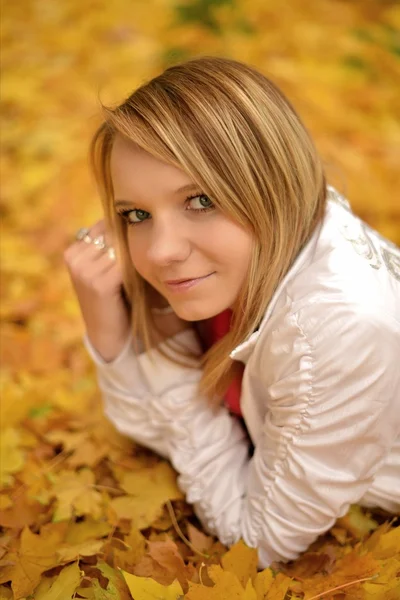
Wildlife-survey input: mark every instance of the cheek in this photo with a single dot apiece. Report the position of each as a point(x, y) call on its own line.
point(235, 247)
point(137, 254)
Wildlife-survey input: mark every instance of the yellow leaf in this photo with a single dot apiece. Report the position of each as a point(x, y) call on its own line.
point(148, 490)
point(64, 587)
point(242, 561)
point(388, 545)
point(35, 555)
point(263, 582)
point(70, 440)
point(5, 593)
point(227, 585)
point(67, 553)
point(12, 457)
point(357, 522)
point(388, 591)
point(249, 592)
point(86, 530)
point(148, 589)
point(75, 494)
point(5, 502)
point(279, 587)
point(351, 567)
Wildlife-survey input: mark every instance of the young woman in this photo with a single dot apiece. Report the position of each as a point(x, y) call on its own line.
point(244, 322)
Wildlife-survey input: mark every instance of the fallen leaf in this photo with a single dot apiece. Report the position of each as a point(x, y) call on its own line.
point(64, 586)
point(148, 589)
point(75, 494)
point(242, 561)
point(12, 457)
point(34, 556)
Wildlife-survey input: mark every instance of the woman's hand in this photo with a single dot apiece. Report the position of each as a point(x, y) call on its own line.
point(97, 281)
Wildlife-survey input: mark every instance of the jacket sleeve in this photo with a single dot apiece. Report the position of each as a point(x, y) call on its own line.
point(331, 420)
point(334, 415)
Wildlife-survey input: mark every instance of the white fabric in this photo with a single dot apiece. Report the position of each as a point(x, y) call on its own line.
point(320, 398)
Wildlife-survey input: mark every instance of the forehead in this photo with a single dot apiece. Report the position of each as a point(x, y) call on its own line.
point(135, 169)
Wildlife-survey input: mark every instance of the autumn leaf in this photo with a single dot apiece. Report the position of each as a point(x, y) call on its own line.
point(242, 561)
point(387, 545)
point(166, 554)
point(89, 528)
point(12, 456)
point(112, 586)
point(226, 586)
point(262, 583)
point(70, 552)
point(148, 490)
point(356, 522)
point(75, 493)
point(148, 589)
point(278, 588)
point(351, 567)
point(198, 539)
point(34, 556)
point(64, 586)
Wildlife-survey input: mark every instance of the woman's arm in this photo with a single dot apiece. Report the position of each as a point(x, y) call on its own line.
point(331, 421)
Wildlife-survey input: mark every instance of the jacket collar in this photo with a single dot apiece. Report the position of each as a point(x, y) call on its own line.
point(243, 351)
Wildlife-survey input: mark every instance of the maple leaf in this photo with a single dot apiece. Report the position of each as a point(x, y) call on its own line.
point(166, 554)
point(226, 586)
point(86, 529)
point(68, 552)
point(130, 555)
point(35, 555)
point(112, 586)
point(199, 540)
point(148, 589)
point(148, 490)
point(12, 457)
point(357, 522)
point(351, 567)
point(64, 585)
point(75, 493)
point(263, 582)
point(242, 561)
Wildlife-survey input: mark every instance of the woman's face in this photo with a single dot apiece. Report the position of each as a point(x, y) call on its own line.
point(170, 237)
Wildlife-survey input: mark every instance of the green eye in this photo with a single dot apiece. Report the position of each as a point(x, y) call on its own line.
point(140, 214)
point(135, 216)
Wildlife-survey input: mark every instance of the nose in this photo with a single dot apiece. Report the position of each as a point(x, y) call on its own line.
point(170, 242)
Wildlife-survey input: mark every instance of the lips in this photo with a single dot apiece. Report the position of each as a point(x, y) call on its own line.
point(182, 280)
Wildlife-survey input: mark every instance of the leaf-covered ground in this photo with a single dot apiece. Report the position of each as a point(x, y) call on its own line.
point(84, 513)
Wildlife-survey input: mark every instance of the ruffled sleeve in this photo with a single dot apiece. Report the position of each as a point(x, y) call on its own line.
point(332, 386)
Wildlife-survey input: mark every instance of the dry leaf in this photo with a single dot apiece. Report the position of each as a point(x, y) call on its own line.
point(242, 561)
point(148, 589)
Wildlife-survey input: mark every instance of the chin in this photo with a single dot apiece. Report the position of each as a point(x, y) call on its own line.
point(197, 314)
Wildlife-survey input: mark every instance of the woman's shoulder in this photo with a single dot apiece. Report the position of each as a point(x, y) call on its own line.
point(351, 266)
point(346, 276)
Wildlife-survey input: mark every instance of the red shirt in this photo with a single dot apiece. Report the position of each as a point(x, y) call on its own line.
point(215, 329)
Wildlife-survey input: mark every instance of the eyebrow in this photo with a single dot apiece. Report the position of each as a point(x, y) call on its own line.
point(185, 188)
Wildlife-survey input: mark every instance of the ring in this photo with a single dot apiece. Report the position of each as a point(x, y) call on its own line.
point(99, 242)
point(82, 233)
point(111, 253)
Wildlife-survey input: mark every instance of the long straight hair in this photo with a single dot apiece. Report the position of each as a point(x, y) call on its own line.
point(239, 138)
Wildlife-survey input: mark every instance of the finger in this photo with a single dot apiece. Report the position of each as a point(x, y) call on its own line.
point(86, 256)
point(114, 274)
point(100, 228)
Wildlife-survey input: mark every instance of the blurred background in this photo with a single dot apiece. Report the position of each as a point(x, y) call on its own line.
point(337, 61)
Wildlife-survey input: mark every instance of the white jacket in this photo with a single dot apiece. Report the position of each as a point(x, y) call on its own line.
point(320, 399)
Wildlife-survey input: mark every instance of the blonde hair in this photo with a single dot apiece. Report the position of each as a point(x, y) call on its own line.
point(234, 132)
